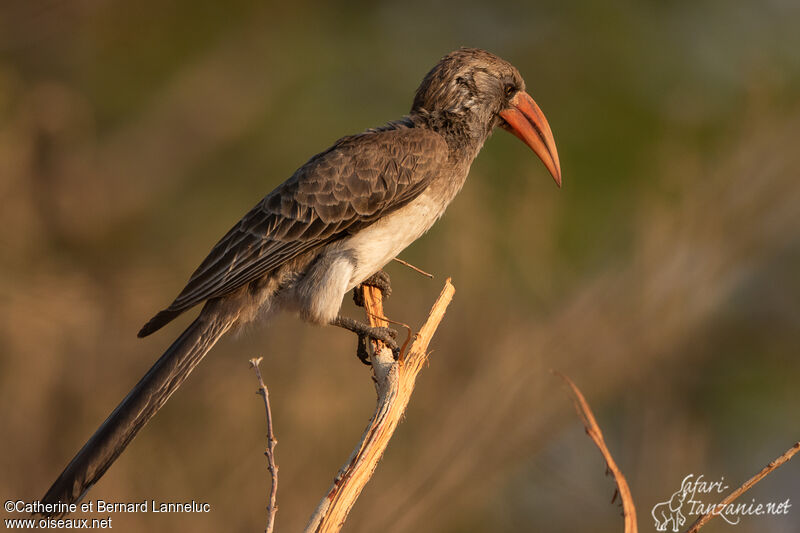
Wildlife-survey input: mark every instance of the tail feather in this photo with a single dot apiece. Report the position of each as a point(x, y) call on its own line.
point(138, 407)
point(161, 319)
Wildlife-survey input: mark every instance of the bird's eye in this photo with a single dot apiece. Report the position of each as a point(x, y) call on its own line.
point(510, 89)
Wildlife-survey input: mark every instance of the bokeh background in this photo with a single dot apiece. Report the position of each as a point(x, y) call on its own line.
point(663, 277)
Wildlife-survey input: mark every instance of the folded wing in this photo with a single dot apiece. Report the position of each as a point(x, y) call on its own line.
point(337, 192)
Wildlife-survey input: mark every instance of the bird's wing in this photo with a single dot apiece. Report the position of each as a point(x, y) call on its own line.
point(337, 192)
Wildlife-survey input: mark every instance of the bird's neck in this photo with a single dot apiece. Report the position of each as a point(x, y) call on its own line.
point(464, 137)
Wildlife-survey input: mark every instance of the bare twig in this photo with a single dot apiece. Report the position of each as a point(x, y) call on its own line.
point(412, 267)
point(394, 383)
point(593, 430)
point(720, 507)
point(272, 507)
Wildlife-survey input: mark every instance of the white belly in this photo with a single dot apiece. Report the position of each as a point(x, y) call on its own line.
point(346, 263)
point(378, 244)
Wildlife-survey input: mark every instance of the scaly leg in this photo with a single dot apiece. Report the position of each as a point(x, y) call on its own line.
point(388, 336)
point(379, 280)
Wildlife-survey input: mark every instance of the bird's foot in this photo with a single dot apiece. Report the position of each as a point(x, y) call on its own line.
point(379, 280)
point(365, 332)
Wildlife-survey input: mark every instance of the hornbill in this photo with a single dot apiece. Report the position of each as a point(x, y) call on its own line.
point(328, 228)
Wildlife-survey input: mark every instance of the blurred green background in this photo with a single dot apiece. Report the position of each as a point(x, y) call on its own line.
point(663, 277)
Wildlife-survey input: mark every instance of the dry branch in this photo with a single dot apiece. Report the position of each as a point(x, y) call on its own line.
point(272, 507)
point(593, 430)
point(717, 509)
point(394, 383)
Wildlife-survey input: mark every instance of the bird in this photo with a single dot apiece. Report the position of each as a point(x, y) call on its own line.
point(331, 226)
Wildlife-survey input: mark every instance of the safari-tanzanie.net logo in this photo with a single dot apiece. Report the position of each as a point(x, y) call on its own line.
point(696, 497)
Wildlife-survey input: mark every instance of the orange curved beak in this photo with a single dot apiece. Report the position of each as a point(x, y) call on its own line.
point(525, 120)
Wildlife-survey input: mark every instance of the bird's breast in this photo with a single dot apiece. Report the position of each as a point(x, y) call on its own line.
point(379, 243)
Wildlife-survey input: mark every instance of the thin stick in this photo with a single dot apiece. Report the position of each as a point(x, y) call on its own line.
point(593, 430)
point(717, 509)
point(412, 267)
point(394, 383)
point(272, 507)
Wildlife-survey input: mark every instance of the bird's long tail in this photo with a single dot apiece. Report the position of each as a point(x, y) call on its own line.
point(138, 407)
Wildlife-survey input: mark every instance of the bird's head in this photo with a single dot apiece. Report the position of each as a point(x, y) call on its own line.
point(477, 91)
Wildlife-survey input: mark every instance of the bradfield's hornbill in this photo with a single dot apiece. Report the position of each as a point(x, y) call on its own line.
point(335, 223)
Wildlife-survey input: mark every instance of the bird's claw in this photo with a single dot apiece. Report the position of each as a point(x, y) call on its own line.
point(387, 336)
point(379, 280)
point(365, 332)
point(363, 351)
